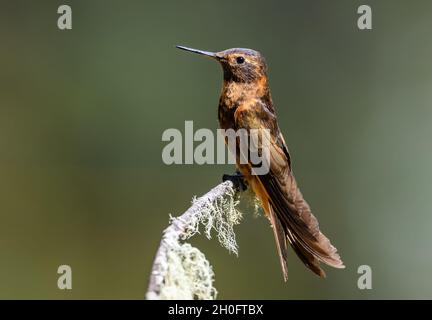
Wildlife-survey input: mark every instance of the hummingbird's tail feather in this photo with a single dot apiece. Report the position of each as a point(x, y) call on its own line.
point(305, 235)
point(281, 237)
point(281, 242)
point(289, 210)
point(305, 256)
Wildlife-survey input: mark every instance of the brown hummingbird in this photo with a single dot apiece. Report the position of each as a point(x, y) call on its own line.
point(246, 103)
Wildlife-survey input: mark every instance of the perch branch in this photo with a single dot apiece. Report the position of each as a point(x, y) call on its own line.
point(208, 210)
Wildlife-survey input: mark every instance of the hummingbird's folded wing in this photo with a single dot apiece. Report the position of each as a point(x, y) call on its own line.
point(286, 201)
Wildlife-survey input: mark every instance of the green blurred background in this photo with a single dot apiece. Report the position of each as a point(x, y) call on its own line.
point(82, 114)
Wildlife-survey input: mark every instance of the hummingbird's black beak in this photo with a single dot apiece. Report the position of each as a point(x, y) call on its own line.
point(205, 53)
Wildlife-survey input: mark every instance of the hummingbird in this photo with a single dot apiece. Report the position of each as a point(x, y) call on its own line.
point(246, 103)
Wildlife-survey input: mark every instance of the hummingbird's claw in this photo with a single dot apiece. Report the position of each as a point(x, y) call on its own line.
point(237, 179)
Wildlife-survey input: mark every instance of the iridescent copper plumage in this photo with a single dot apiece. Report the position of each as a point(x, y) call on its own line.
point(246, 103)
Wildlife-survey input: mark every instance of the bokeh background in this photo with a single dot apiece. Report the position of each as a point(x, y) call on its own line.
point(82, 114)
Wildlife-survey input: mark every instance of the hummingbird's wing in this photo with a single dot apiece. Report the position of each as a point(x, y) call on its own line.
point(286, 203)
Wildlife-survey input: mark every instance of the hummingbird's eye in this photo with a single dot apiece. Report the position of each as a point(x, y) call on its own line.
point(240, 60)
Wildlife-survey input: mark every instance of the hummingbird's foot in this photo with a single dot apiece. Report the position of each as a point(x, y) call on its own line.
point(237, 179)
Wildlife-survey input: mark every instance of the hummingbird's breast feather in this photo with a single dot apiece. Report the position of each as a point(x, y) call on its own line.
point(237, 97)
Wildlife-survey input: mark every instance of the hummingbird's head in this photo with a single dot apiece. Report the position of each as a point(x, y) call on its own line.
point(239, 65)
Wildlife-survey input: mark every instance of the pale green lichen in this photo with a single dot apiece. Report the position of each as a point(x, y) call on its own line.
point(252, 202)
point(221, 216)
point(189, 275)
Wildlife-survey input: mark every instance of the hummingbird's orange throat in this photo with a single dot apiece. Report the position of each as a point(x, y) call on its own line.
point(234, 93)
